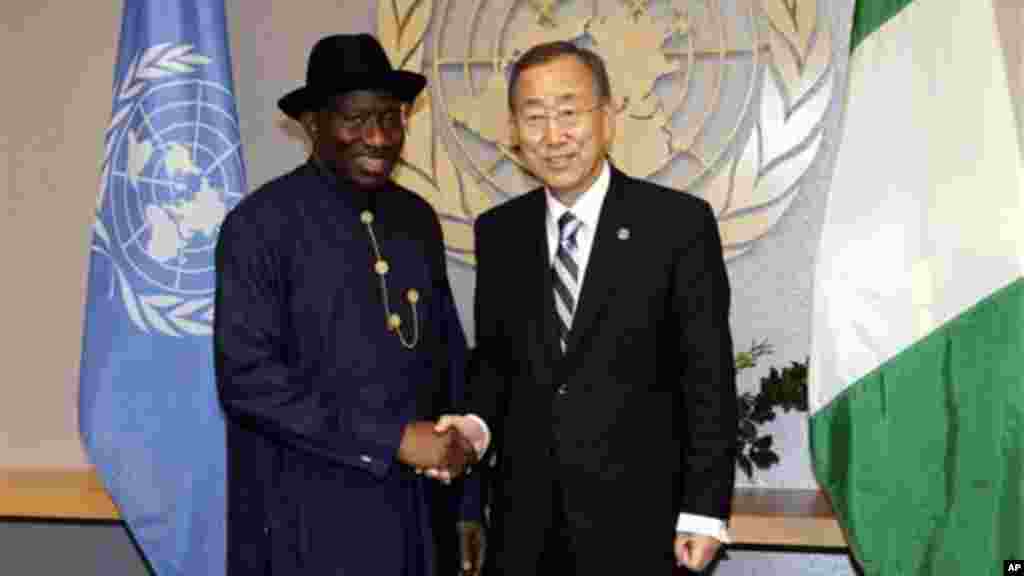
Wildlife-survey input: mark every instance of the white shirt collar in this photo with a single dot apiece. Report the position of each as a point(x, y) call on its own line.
point(588, 206)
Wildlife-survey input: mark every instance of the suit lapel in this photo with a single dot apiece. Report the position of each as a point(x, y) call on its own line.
point(542, 343)
point(606, 256)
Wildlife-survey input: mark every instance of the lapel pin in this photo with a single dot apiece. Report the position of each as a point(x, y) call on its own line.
point(623, 233)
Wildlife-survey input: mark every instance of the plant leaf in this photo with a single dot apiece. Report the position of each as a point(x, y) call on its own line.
point(747, 429)
point(745, 465)
point(764, 459)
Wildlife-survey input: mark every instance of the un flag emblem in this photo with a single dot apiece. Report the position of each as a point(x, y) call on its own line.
point(173, 169)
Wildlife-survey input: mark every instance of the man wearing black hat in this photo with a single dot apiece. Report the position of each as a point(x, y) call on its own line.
point(337, 343)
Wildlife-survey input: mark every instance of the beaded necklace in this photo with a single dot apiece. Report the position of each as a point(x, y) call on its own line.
point(412, 296)
point(392, 321)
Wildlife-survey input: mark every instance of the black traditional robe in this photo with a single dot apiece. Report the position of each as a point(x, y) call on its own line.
point(316, 389)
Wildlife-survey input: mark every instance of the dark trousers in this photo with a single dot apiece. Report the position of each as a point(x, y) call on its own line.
point(559, 555)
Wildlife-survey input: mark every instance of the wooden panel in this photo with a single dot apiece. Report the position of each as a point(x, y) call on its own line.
point(780, 517)
point(55, 493)
point(773, 517)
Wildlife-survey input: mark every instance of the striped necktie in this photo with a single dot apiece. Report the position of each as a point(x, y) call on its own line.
point(565, 275)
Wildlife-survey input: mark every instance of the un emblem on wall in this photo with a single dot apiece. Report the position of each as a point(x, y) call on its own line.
point(722, 98)
point(172, 170)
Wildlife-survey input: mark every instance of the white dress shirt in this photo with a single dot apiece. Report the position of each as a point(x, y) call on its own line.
point(587, 210)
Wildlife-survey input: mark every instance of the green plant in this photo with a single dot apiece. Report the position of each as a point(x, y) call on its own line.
point(786, 389)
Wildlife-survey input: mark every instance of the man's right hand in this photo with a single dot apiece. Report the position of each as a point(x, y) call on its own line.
point(424, 447)
point(469, 431)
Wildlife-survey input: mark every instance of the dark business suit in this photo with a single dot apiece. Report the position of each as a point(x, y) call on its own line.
point(637, 421)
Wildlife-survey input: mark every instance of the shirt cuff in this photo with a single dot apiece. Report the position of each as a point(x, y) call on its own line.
point(703, 525)
point(481, 446)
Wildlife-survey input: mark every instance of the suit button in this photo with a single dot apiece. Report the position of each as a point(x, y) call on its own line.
point(563, 390)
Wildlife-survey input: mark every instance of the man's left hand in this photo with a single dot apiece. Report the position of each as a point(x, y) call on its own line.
point(472, 545)
point(695, 551)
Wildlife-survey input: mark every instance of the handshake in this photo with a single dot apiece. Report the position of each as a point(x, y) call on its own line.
point(443, 450)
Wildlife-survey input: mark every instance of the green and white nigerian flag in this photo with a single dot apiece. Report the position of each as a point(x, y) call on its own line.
point(917, 360)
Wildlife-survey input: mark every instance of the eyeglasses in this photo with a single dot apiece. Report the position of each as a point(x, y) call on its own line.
point(390, 119)
point(566, 117)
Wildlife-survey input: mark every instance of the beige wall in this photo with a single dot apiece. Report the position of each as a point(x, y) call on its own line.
point(56, 105)
point(1011, 29)
point(58, 59)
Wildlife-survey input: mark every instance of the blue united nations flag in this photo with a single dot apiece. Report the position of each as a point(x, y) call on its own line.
point(172, 168)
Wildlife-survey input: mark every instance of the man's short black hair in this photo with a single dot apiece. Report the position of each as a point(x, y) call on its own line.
point(547, 52)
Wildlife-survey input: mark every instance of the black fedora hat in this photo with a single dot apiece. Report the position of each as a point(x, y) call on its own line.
point(346, 62)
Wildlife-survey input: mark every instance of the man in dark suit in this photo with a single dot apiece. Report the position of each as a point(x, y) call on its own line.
point(604, 380)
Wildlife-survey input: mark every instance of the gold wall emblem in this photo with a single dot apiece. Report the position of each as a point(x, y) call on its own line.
point(721, 98)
